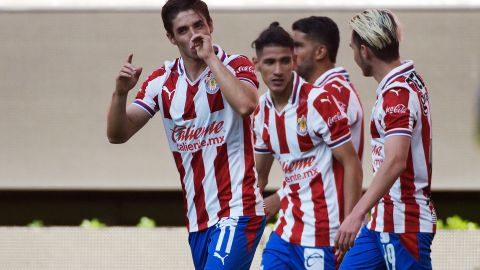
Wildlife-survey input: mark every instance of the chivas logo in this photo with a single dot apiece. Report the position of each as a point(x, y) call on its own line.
point(302, 125)
point(211, 84)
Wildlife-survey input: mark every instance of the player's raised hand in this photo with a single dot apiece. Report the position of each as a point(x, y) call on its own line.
point(203, 45)
point(127, 77)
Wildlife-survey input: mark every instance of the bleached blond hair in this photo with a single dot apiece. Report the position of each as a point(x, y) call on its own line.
point(378, 27)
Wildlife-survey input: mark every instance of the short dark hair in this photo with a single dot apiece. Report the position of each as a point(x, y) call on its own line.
point(384, 39)
point(274, 35)
point(323, 30)
point(172, 7)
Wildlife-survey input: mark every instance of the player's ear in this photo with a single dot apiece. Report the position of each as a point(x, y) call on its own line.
point(294, 60)
point(171, 38)
point(365, 52)
point(321, 52)
point(256, 62)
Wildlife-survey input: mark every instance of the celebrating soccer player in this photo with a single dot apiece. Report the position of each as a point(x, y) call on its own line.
point(401, 228)
point(205, 98)
point(302, 127)
point(316, 41)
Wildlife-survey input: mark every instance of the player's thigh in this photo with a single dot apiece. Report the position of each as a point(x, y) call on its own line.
point(233, 242)
point(198, 242)
point(277, 254)
point(365, 253)
point(407, 250)
point(314, 258)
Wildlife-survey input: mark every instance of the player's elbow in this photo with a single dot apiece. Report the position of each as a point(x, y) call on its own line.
point(115, 138)
point(247, 108)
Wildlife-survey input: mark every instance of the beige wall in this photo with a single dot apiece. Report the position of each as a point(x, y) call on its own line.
point(57, 75)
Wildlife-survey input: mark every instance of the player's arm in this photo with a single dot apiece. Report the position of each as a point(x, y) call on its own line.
point(396, 154)
point(263, 165)
point(242, 96)
point(353, 175)
point(123, 121)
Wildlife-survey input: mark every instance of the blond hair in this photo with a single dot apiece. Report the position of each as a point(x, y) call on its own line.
point(377, 27)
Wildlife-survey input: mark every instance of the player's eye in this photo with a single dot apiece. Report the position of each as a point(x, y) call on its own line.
point(268, 62)
point(286, 60)
point(182, 30)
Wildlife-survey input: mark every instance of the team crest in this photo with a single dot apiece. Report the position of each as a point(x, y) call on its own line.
point(302, 125)
point(211, 84)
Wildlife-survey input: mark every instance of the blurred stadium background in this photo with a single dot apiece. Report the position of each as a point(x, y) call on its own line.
point(58, 64)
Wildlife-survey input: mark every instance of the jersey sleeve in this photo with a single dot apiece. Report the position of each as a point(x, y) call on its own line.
point(259, 132)
point(147, 96)
point(244, 70)
point(399, 113)
point(328, 121)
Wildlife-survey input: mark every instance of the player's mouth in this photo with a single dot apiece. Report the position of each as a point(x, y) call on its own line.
point(277, 82)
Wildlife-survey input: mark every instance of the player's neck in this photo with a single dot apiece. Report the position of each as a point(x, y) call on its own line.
point(280, 100)
point(381, 69)
point(194, 67)
point(319, 70)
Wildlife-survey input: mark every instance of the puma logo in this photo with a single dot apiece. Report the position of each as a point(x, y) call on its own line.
point(168, 92)
point(216, 254)
point(323, 100)
point(395, 91)
point(339, 88)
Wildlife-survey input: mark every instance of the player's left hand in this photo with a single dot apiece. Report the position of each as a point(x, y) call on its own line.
point(347, 233)
point(203, 45)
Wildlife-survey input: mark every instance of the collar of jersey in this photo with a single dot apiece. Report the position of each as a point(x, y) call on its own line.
point(297, 85)
point(181, 65)
point(325, 77)
point(406, 66)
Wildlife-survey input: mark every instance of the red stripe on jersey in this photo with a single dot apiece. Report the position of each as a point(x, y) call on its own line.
point(338, 173)
point(373, 130)
point(168, 91)
point(282, 137)
point(410, 242)
point(251, 231)
point(320, 210)
point(265, 133)
point(178, 161)
point(298, 225)
point(283, 221)
point(395, 105)
point(407, 187)
point(373, 225)
point(255, 113)
point(199, 197)
point(189, 111)
point(387, 213)
point(360, 147)
point(248, 189)
point(304, 141)
point(224, 184)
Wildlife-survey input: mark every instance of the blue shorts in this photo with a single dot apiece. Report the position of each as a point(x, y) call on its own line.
point(377, 250)
point(229, 244)
point(280, 255)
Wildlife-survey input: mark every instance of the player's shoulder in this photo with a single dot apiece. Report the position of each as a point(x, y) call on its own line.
point(240, 63)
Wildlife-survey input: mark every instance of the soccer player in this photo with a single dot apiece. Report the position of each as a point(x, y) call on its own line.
point(302, 127)
point(205, 98)
point(316, 41)
point(403, 221)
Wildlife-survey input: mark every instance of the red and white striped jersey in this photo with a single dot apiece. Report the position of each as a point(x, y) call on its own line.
point(211, 143)
point(300, 137)
point(402, 109)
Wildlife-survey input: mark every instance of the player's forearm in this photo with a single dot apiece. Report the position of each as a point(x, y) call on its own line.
point(352, 189)
point(383, 180)
point(117, 119)
point(241, 97)
point(272, 205)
